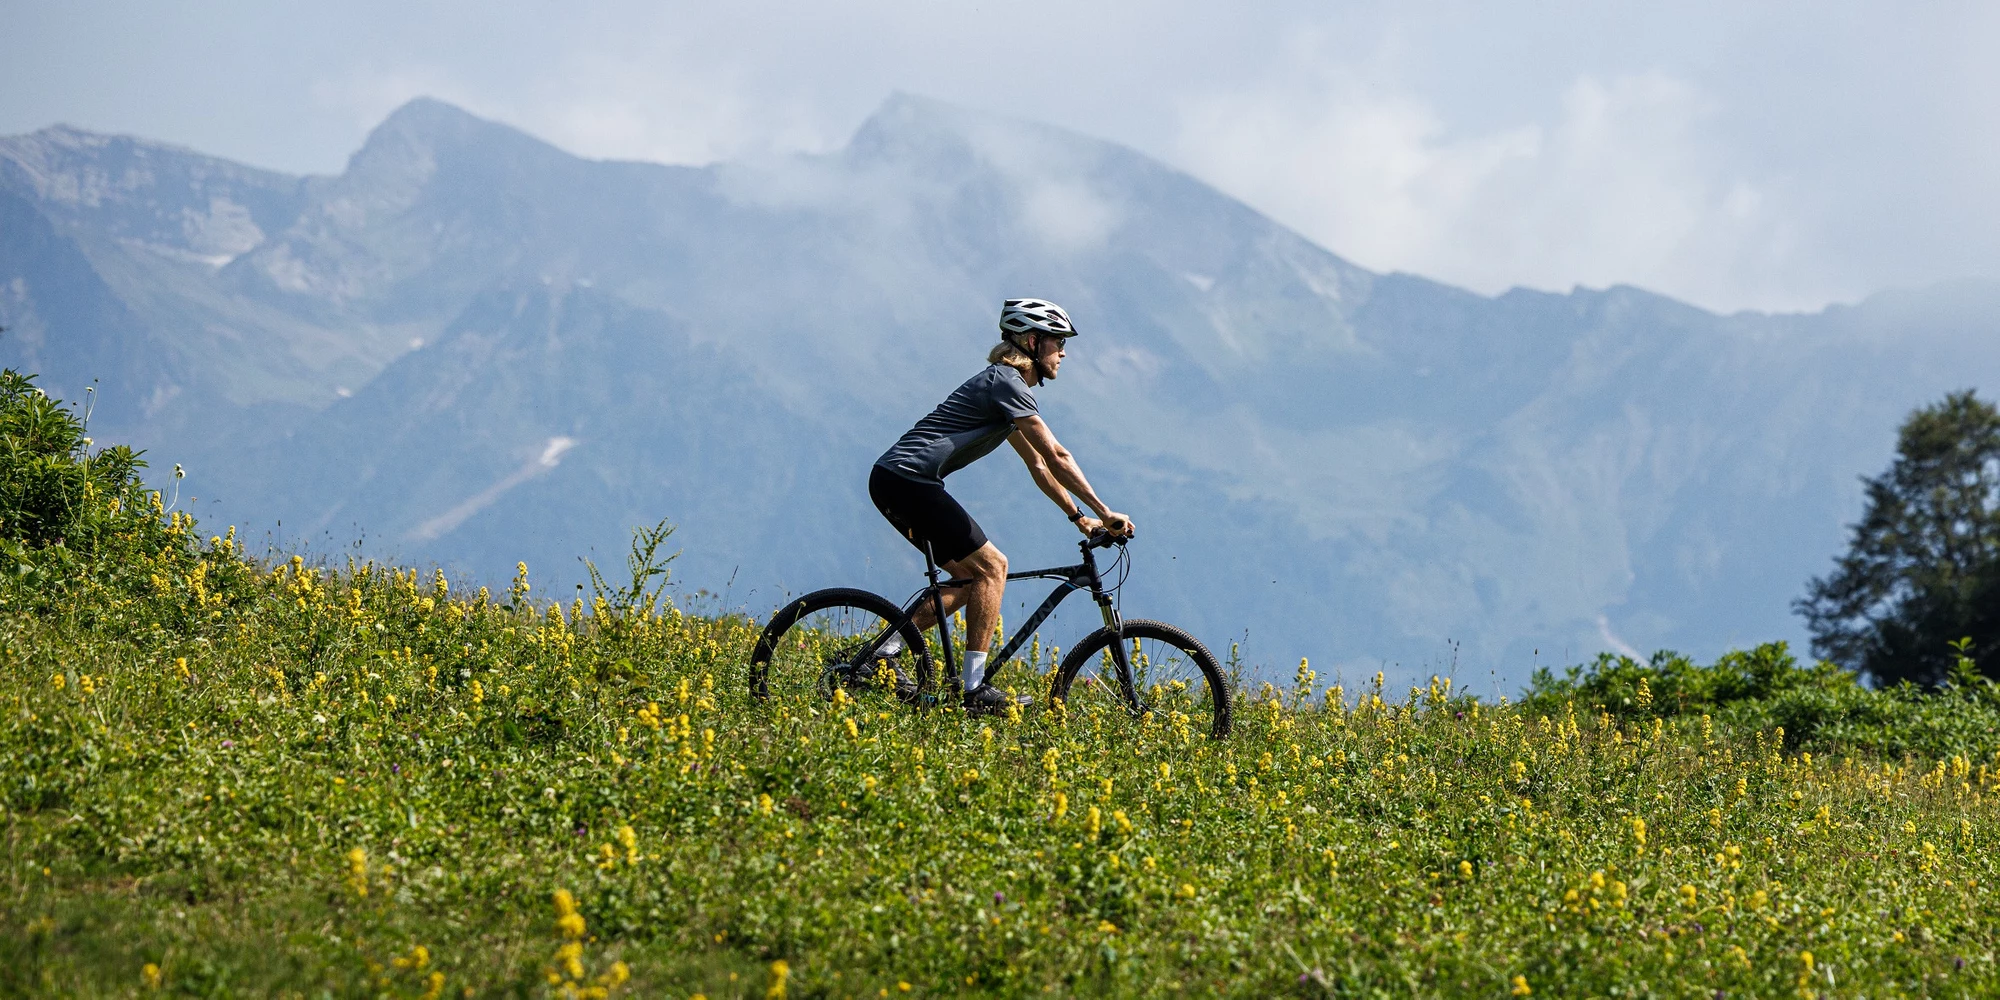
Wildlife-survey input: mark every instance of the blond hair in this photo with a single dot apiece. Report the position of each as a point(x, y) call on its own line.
point(1006, 353)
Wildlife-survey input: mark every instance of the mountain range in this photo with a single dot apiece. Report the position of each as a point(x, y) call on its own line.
point(472, 348)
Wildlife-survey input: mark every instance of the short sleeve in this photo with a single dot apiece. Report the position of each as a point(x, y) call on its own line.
point(1012, 398)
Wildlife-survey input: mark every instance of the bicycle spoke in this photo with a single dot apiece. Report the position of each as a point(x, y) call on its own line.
point(818, 654)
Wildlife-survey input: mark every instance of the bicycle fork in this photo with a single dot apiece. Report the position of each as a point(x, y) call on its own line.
point(1120, 656)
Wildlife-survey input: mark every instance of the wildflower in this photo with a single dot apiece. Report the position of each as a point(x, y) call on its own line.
point(1639, 831)
point(1093, 823)
point(1107, 927)
point(1465, 869)
point(568, 920)
point(780, 971)
point(1124, 825)
point(434, 986)
point(867, 783)
point(1518, 771)
point(1186, 890)
point(571, 957)
point(1687, 896)
point(1521, 987)
point(151, 974)
point(357, 871)
point(764, 804)
point(1061, 807)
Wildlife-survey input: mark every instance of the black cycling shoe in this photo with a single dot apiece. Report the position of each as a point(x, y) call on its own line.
point(989, 700)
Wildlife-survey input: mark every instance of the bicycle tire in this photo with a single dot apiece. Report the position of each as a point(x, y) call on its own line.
point(805, 641)
point(1155, 673)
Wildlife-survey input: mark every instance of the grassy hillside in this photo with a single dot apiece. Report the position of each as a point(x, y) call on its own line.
point(227, 777)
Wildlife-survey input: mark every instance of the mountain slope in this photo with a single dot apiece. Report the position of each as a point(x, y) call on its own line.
point(473, 347)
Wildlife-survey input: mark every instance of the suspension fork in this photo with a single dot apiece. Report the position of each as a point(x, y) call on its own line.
point(1121, 658)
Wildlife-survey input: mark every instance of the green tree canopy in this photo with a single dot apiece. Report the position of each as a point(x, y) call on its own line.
point(1923, 567)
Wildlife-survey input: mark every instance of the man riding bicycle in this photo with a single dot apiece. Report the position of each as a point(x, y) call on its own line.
point(907, 482)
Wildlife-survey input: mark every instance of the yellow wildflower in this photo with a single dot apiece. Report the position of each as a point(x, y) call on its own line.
point(1521, 987)
point(780, 971)
point(151, 974)
point(357, 871)
point(568, 920)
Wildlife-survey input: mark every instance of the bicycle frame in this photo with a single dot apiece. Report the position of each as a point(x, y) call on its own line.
point(1081, 576)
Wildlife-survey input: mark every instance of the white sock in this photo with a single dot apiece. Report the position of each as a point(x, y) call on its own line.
point(890, 648)
point(975, 667)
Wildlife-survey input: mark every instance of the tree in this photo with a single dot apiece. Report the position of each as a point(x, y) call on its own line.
point(1923, 567)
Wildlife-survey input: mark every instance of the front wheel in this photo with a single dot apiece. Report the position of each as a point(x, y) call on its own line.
point(1173, 675)
point(813, 645)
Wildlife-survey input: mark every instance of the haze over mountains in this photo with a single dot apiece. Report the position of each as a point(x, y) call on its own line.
point(473, 348)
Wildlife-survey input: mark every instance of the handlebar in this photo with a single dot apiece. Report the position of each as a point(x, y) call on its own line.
point(1102, 539)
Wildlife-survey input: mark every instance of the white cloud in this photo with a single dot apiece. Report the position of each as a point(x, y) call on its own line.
point(1622, 185)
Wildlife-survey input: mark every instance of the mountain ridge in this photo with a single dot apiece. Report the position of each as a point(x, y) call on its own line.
point(472, 347)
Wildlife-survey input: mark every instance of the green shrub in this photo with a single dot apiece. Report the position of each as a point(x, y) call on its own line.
point(1820, 706)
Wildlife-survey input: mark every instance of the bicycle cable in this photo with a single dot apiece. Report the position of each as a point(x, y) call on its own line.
point(1122, 566)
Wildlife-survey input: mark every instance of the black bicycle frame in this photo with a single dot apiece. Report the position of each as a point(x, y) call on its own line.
point(1082, 576)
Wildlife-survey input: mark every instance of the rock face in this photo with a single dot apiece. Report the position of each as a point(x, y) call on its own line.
point(473, 348)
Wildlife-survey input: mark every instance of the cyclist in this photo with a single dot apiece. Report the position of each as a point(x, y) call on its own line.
point(907, 482)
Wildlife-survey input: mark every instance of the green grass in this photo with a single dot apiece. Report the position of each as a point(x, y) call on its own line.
point(222, 777)
point(190, 764)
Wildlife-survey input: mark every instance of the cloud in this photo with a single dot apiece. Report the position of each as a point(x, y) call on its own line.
point(1623, 183)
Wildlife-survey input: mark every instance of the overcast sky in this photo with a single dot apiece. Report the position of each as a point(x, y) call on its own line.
point(1777, 156)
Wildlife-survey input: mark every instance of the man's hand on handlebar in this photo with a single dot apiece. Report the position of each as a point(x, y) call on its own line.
point(1115, 523)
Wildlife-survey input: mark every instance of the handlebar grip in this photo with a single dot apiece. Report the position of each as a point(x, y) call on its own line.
point(1101, 539)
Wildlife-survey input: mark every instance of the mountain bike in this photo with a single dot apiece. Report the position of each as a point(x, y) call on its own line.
point(830, 640)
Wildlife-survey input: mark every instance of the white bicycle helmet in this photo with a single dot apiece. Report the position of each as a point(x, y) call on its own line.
point(1019, 317)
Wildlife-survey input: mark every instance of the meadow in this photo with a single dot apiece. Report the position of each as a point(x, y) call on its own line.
point(233, 776)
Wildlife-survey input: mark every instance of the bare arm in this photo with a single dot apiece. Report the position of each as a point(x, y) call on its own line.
point(1056, 472)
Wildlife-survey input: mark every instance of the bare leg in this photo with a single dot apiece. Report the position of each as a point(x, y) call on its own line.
point(986, 567)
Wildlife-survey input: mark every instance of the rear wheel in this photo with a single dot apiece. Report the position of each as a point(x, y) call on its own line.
point(1174, 677)
point(811, 647)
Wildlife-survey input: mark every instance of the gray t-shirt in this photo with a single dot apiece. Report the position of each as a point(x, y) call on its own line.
point(972, 421)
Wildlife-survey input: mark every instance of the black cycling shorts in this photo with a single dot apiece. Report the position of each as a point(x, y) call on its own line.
point(925, 514)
